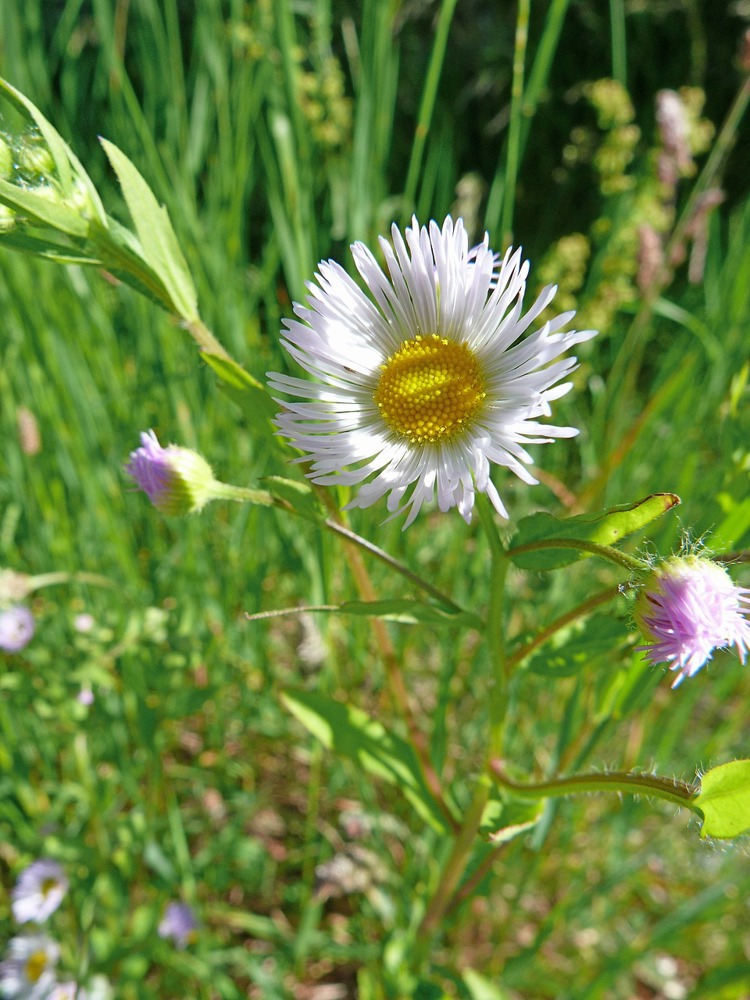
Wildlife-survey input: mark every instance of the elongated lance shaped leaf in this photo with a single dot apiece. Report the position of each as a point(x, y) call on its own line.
point(43, 211)
point(533, 546)
point(351, 733)
point(161, 249)
point(47, 249)
point(724, 800)
point(404, 610)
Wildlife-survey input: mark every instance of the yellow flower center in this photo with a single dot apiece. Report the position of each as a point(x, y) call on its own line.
point(47, 886)
point(430, 389)
point(35, 965)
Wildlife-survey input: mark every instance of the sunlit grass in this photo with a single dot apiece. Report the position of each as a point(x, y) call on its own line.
point(186, 778)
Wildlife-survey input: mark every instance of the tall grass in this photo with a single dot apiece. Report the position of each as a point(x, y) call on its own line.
point(186, 778)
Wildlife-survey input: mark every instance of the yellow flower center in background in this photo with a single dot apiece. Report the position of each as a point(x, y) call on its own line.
point(47, 886)
point(35, 965)
point(430, 389)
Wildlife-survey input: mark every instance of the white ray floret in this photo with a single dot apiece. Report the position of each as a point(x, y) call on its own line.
point(425, 382)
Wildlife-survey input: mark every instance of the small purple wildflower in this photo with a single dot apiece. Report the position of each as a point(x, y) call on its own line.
point(179, 924)
point(39, 891)
point(16, 628)
point(177, 480)
point(689, 607)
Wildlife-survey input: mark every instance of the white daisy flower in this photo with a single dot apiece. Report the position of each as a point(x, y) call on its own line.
point(28, 970)
point(425, 382)
point(39, 891)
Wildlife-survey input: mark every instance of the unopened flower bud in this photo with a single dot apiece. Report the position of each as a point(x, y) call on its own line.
point(34, 158)
point(177, 480)
point(688, 607)
point(16, 628)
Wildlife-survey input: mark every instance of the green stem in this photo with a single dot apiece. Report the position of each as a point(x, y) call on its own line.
point(516, 115)
point(205, 340)
point(397, 686)
point(394, 564)
point(580, 611)
point(51, 579)
point(453, 870)
point(499, 212)
point(117, 257)
point(496, 627)
point(240, 494)
point(619, 41)
point(670, 789)
point(446, 892)
point(603, 551)
point(728, 558)
point(428, 103)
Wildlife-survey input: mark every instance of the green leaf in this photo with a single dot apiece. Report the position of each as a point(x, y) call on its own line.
point(43, 211)
point(411, 612)
point(481, 988)
point(351, 733)
point(724, 800)
point(406, 611)
point(247, 392)
point(505, 818)
point(157, 860)
point(161, 249)
point(578, 646)
point(533, 546)
point(23, 241)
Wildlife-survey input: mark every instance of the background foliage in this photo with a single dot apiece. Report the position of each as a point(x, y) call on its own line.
point(277, 133)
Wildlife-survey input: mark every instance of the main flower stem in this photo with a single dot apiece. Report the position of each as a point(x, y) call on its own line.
point(496, 628)
point(242, 494)
point(453, 870)
point(447, 890)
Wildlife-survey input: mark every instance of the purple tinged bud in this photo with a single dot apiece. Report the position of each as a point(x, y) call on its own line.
point(688, 607)
point(16, 628)
point(178, 481)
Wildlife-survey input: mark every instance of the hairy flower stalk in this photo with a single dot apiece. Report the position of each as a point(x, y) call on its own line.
point(687, 608)
point(427, 380)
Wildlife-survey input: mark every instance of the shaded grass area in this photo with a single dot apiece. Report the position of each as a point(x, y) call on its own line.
point(185, 778)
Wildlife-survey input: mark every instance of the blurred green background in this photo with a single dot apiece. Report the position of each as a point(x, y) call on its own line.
point(277, 133)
